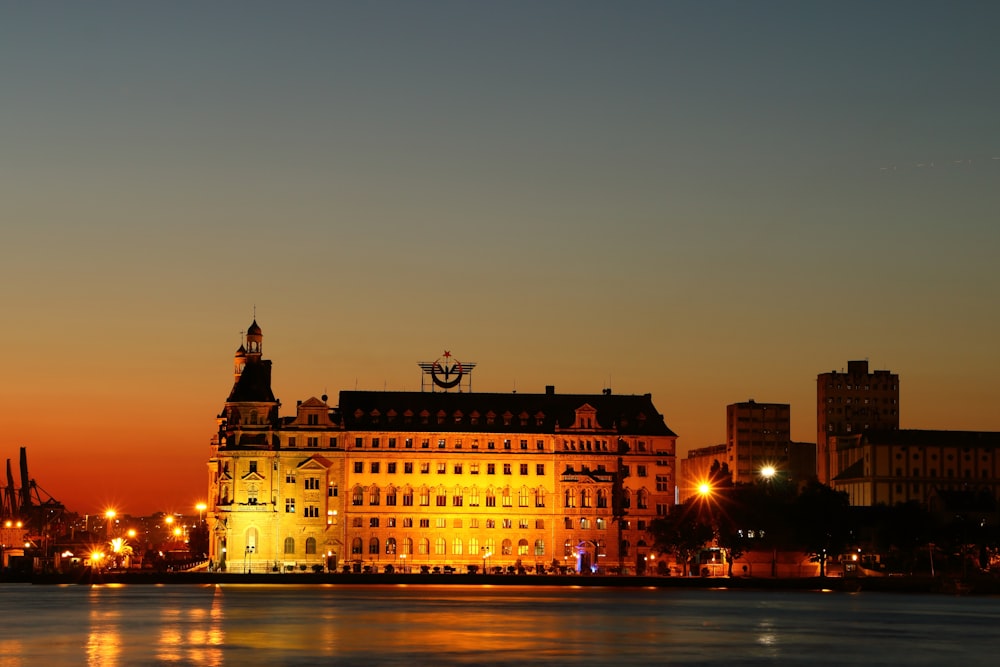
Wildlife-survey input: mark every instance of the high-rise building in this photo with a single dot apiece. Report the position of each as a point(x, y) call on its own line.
point(850, 403)
point(757, 435)
point(434, 479)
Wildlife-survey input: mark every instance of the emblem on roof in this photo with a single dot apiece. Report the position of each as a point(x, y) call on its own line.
point(446, 373)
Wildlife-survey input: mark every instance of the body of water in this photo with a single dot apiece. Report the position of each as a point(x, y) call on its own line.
point(239, 624)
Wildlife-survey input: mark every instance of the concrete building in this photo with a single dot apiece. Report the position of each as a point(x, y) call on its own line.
point(900, 466)
point(850, 403)
point(757, 436)
point(434, 479)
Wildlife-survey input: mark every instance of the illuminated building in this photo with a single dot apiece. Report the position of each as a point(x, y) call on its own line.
point(435, 479)
point(914, 465)
point(849, 403)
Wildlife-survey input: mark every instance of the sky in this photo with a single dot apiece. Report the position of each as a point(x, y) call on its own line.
point(705, 201)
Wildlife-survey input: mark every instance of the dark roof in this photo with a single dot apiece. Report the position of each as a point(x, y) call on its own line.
point(254, 384)
point(925, 438)
point(254, 329)
point(529, 413)
point(854, 471)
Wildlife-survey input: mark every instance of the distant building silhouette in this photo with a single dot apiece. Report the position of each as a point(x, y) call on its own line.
point(850, 403)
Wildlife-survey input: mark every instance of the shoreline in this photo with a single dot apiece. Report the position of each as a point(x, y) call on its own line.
point(973, 586)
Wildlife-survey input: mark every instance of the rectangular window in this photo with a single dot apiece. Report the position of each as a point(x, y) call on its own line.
point(441, 523)
point(473, 468)
point(391, 467)
point(524, 469)
point(375, 443)
point(506, 468)
point(312, 484)
point(358, 442)
point(390, 522)
point(539, 524)
point(425, 468)
point(441, 443)
point(408, 443)
point(253, 466)
point(506, 444)
point(491, 445)
point(289, 478)
point(457, 469)
point(442, 500)
point(491, 523)
point(442, 467)
point(333, 442)
point(375, 467)
point(539, 445)
point(312, 512)
point(291, 442)
point(408, 522)
point(473, 523)
point(523, 524)
point(359, 466)
point(524, 444)
point(507, 523)
point(425, 444)
point(456, 501)
point(408, 467)
point(539, 468)
point(373, 522)
point(640, 471)
point(290, 505)
point(312, 442)
point(491, 500)
point(491, 468)
point(425, 523)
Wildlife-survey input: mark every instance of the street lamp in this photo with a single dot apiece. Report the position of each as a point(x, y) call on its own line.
point(246, 554)
point(767, 472)
point(486, 554)
point(201, 507)
point(110, 516)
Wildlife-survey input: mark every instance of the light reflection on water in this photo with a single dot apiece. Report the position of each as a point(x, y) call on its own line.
point(114, 626)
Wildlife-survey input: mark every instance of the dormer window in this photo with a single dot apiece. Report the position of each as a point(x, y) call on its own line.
point(507, 417)
point(424, 416)
point(441, 416)
point(524, 418)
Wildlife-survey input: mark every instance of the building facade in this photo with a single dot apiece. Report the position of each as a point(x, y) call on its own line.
point(434, 479)
point(890, 467)
point(857, 401)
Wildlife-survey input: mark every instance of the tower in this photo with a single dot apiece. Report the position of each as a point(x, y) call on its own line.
point(850, 403)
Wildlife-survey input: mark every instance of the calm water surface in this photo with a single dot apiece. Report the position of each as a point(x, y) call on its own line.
point(232, 624)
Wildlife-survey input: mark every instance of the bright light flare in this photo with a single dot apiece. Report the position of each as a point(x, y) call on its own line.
point(767, 472)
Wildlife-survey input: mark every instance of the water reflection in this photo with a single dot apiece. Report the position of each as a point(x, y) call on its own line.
point(308, 625)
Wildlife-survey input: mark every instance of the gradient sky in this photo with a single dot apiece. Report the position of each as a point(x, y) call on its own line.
point(709, 201)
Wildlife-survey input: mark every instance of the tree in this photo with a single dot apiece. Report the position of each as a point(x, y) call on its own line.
point(820, 519)
point(682, 533)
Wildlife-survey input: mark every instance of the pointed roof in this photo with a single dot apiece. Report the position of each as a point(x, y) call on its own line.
point(254, 329)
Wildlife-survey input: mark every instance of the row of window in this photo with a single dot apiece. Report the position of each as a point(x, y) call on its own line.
point(392, 467)
point(526, 497)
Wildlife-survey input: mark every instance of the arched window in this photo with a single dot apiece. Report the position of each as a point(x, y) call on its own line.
point(539, 547)
point(408, 546)
point(390, 545)
point(425, 546)
point(374, 495)
point(626, 547)
point(474, 497)
point(522, 497)
point(642, 499)
point(602, 498)
point(522, 547)
point(439, 546)
point(601, 548)
point(626, 498)
point(373, 546)
point(358, 497)
point(456, 546)
point(310, 545)
point(569, 498)
point(539, 497)
point(425, 496)
point(390, 496)
point(568, 548)
point(585, 497)
point(491, 499)
point(356, 546)
point(506, 497)
point(407, 497)
point(289, 545)
point(473, 545)
point(489, 546)
point(506, 548)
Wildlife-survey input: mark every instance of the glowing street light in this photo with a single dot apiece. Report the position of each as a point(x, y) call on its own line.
point(704, 489)
point(201, 507)
point(767, 472)
point(110, 516)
